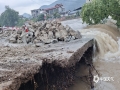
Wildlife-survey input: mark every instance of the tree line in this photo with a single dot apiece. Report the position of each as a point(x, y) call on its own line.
point(92, 13)
point(97, 10)
point(11, 18)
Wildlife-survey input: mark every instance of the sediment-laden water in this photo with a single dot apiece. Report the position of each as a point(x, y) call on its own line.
point(107, 60)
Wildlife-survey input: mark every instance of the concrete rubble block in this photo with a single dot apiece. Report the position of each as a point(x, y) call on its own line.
point(73, 34)
point(46, 32)
point(6, 34)
point(43, 32)
point(39, 24)
point(29, 26)
point(50, 35)
point(57, 34)
point(24, 37)
point(19, 32)
point(39, 28)
point(44, 24)
point(12, 40)
point(54, 41)
point(67, 27)
point(48, 26)
point(63, 33)
point(36, 41)
point(19, 40)
point(53, 27)
point(78, 35)
point(38, 44)
point(1, 30)
point(37, 33)
point(67, 39)
point(29, 37)
point(32, 30)
point(44, 37)
point(61, 27)
point(47, 41)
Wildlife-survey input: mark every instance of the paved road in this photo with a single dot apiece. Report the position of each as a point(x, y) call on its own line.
point(75, 24)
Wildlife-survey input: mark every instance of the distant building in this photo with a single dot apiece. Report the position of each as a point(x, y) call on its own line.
point(65, 13)
point(36, 12)
point(78, 9)
point(58, 8)
point(74, 12)
point(21, 17)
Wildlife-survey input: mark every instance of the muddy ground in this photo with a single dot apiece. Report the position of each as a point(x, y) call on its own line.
point(19, 63)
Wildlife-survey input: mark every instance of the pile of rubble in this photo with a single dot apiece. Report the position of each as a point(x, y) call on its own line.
point(44, 32)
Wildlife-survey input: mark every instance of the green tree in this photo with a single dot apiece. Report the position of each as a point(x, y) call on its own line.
point(21, 22)
point(56, 15)
point(40, 17)
point(77, 13)
point(9, 17)
point(34, 19)
point(97, 10)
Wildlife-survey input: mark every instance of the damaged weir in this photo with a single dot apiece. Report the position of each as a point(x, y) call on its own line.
point(50, 67)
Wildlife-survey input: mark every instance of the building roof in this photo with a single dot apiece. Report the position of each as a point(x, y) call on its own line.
point(73, 12)
point(78, 9)
point(47, 9)
point(56, 6)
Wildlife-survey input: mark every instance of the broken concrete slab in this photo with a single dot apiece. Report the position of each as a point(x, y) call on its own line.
point(26, 61)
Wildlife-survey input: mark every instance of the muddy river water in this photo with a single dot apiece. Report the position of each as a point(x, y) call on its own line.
point(107, 52)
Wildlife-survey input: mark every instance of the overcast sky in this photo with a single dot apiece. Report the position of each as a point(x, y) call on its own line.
point(23, 6)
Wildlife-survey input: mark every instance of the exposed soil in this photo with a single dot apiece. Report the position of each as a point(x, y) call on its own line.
point(52, 77)
point(25, 63)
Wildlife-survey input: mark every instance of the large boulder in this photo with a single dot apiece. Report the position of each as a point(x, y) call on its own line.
point(50, 35)
point(12, 40)
point(37, 33)
point(1, 30)
point(57, 34)
point(63, 34)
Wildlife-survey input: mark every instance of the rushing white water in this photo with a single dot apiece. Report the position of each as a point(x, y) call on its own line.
point(107, 61)
point(106, 43)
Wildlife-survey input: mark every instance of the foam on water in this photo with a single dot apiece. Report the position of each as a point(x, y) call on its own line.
point(107, 52)
point(107, 44)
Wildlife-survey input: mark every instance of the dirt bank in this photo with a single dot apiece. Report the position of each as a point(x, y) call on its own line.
point(18, 65)
point(52, 77)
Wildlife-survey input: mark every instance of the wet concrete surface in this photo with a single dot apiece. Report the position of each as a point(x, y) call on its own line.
point(75, 24)
point(20, 62)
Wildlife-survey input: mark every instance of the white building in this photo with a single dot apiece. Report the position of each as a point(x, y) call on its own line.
point(58, 8)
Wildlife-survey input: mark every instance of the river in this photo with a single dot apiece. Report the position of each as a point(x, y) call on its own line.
point(106, 52)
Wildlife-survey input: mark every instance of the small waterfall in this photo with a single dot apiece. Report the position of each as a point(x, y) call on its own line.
point(105, 39)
